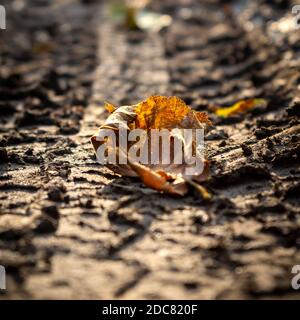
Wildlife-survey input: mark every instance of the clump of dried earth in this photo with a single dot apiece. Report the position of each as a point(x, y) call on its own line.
point(69, 228)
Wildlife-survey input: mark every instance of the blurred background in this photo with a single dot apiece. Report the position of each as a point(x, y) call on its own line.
point(69, 228)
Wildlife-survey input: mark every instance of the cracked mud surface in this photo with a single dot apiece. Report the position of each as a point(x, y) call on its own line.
point(70, 228)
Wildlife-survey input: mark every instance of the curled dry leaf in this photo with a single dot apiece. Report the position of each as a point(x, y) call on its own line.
point(240, 107)
point(167, 115)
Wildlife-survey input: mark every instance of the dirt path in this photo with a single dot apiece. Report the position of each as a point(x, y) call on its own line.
point(71, 229)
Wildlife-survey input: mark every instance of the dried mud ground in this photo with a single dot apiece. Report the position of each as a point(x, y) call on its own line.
point(69, 228)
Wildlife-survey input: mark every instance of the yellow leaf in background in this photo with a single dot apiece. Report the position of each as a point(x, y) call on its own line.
point(240, 107)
